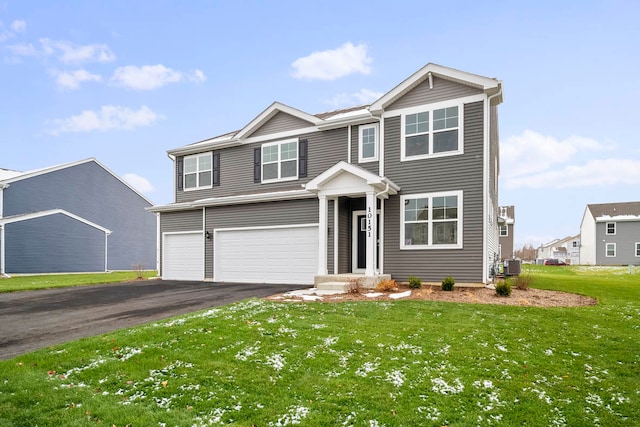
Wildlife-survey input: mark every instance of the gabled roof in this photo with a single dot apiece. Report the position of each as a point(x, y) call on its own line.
point(379, 182)
point(34, 215)
point(271, 111)
point(619, 211)
point(488, 85)
point(49, 169)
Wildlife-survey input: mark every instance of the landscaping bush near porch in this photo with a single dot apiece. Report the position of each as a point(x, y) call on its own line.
point(401, 363)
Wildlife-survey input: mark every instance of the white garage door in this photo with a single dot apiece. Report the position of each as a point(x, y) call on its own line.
point(266, 255)
point(183, 256)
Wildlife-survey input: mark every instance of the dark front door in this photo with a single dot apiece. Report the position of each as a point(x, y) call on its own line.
point(360, 243)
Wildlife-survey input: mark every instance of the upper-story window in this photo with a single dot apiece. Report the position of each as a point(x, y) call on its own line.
point(429, 133)
point(280, 161)
point(431, 221)
point(198, 171)
point(368, 143)
point(611, 228)
point(504, 230)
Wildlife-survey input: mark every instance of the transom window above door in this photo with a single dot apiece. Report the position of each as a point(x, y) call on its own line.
point(280, 161)
point(431, 133)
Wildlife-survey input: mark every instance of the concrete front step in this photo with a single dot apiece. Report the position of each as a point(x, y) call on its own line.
point(334, 286)
point(351, 280)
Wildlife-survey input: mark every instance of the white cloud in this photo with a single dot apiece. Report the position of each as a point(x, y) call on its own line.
point(65, 51)
point(138, 182)
point(72, 79)
point(364, 96)
point(532, 152)
point(606, 172)
point(19, 26)
point(110, 117)
point(150, 77)
point(333, 64)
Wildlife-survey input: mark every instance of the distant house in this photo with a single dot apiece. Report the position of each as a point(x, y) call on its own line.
point(75, 217)
point(404, 186)
point(506, 222)
point(610, 234)
point(567, 250)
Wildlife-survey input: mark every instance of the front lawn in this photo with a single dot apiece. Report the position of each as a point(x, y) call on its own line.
point(402, 363)
point(29, 283)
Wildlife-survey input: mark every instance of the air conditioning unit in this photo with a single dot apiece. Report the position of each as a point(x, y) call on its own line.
point(512, 267)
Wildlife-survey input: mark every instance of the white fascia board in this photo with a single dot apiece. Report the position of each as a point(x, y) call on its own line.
point(34, 215)
point(618, 218)
point(379, 182)
point(207, 144)
point(235, 200)
point(341, 120)
point(271, 111)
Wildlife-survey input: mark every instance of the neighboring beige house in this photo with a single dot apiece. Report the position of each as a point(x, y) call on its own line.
point(567, 250)
point(506, 221)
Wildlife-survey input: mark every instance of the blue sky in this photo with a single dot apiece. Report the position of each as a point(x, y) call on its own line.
point(124, 81)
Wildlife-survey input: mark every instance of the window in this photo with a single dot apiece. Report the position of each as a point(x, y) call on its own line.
point(575, 244)
point(431, 221)
point(611, 250)
point(198, 171)
point(504, 230)
point(611, 228)
point(638, 249)
point(431, 133)
point(368, 143)
point(280, 161)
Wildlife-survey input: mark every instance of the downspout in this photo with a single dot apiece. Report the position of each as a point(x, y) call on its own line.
point(2, 187)
point(485, 266)
point(106, 252)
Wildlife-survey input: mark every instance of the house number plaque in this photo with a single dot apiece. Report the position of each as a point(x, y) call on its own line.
point(369, 215)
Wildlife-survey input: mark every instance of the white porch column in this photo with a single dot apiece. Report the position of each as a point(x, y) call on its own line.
point(371, 234)
point(323, 236)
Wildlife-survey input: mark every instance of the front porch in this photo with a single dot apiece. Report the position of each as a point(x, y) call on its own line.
point(351, 211)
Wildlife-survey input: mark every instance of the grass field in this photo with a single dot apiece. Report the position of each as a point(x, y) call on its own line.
point(402, 363)
point(30, 283)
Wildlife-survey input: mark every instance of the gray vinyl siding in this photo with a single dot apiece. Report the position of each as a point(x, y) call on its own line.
point(92, 193)
point(443, 90)
point(344, 235)
point(53, 244)
point(289, 212)
point(627, 234)
point(281, 122)
point(458, 172)
point(355, 151)
point(325, 149)
point(174, 222)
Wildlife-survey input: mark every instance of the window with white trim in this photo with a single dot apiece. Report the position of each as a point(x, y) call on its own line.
point(368, 143)
point(610, 250)
point(504, 230)
point(638, 249)
point(429, 133)
point(611, 228)
point(280, 161)
point(431, 221)
point(198, 171)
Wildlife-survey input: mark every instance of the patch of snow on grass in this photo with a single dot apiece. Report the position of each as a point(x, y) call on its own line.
point(400, 295)
point(276, 361)
point(294, 415)
point(442, 387)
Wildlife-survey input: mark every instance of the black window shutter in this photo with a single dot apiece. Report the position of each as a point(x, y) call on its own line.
point(216, 168)
point(257, 166)
point(179, 168)
point(302, 158)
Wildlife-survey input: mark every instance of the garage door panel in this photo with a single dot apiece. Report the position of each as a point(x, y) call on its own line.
point(183, 256)
point(273, 255)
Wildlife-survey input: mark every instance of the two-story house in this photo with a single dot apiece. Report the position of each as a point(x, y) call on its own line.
point(610, 234)
point(73, 217)
point(405, 186)
point(506, 230)
point(566, 250)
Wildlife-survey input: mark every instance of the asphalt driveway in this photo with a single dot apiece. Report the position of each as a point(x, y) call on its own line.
point(32, 320)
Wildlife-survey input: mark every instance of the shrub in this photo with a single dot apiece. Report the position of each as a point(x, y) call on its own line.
point(353, 286)
point(387, 286)
point(522, 281)
point(448, 283)
point(503, 288)
point(415, 282)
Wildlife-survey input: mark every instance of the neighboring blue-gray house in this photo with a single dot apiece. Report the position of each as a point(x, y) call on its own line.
point(405, 186)
point(75, 217)
point(610, 234)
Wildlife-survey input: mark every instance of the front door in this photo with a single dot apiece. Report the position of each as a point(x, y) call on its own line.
point(359, 242)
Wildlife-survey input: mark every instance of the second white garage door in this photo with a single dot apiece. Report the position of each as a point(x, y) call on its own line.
point(266, 255)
